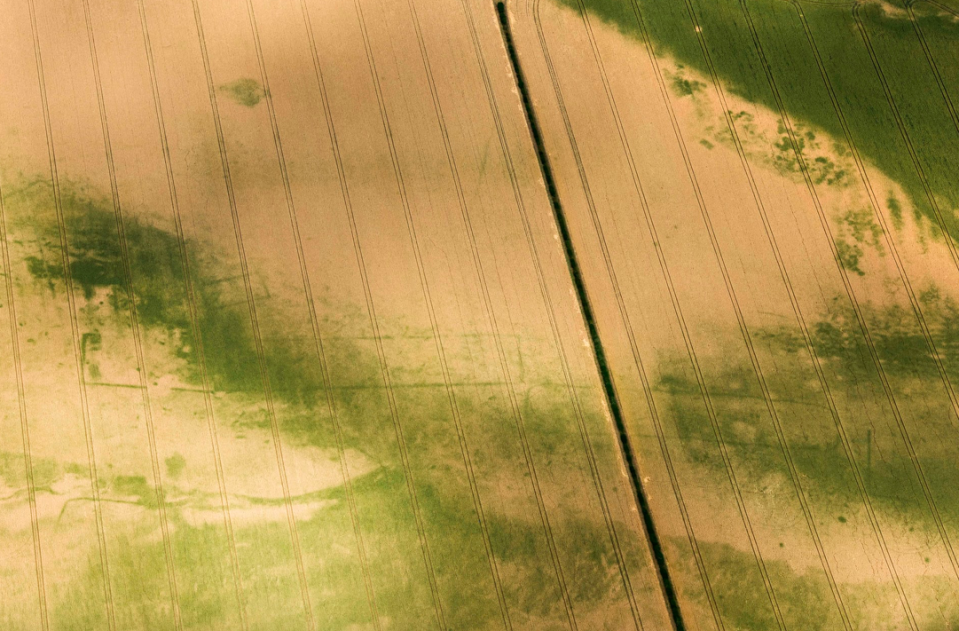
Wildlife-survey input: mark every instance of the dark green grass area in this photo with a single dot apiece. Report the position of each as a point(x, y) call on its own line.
point(159, 283)
point(848, 66)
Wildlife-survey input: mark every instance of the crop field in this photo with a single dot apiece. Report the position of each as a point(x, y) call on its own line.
point(763, 198)
point(465, 315)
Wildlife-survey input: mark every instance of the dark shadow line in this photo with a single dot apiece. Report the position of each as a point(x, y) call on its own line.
point(582, 297)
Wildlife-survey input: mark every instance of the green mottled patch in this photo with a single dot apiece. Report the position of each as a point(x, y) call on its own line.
point(895, 209)
point(135, 486)
point(861, 226)
point(683, 86)
point(849, 256)
point(175, 465)
point(13, 470)
point(247, 92)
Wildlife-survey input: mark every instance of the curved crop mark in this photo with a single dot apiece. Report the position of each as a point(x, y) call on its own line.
point(439, 613)
point(331, 404)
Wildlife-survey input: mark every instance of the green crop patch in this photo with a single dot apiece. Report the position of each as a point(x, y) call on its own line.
point(816, 450)
point(156, 269)
point(246, 92)
point(201, 325)
point(862, 99)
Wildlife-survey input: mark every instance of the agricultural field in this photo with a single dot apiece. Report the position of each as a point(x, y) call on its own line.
point(762, 196)
point(469, 315)
point(288, 341)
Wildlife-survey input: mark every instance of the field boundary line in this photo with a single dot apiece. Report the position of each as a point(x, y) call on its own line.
point(642, 512)
point(599, 354)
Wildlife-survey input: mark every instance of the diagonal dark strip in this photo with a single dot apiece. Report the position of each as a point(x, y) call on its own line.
point(582, 296)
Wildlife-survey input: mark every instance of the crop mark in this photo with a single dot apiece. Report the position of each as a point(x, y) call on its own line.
point(368, 295)
point(194, 318)
point(856, 308)
point(74, 324)
point(586, 309)
point(478, 266)
point(437, 337)
point(401, 440)
point(348, 205)
point(304, 271)
point(324, 365)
